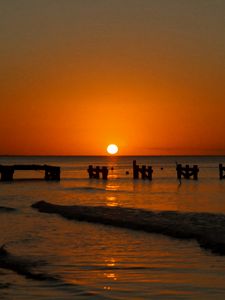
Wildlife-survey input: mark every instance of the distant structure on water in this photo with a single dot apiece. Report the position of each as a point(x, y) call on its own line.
point(187, 172)
point(95, 172)
point(145, 171)
point(51, 172)
point(221, 170)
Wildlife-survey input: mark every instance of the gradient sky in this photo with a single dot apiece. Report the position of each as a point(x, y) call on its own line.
point(76, 75)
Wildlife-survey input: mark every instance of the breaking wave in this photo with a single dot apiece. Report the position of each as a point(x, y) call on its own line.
point(7, 209)
point(207, 228)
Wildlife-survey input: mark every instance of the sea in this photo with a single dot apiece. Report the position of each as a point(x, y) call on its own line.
point(84, 260)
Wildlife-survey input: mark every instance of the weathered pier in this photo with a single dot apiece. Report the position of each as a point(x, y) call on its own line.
point(95, 172)
point(187, 172)
point(221, 170)
point(145, 171)
point(51, 172)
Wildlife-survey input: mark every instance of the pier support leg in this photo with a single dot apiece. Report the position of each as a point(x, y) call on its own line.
point(135, 170)
point(104, 173)
point(195, 172)
point(179, 171)
point(221, 171)
point(7, 173)
point(149, 172)
point(52, 173)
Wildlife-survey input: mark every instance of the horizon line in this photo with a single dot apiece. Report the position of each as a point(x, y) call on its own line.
point(102, 155)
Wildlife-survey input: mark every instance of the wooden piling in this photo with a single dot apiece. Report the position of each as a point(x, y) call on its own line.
point(195, 172)
point(105, 173)
point(149, 172)
point(95, 172)
point(90, 171)
point(179, 173)
point(135, 170)
point(145, 171)
point(187, 172)
point(52, 173)
point(221, 170)
point(7, 173)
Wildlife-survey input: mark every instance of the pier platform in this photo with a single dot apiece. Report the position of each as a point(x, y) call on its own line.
point(51, 172)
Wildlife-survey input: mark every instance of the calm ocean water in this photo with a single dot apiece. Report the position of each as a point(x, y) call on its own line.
point(94, 261)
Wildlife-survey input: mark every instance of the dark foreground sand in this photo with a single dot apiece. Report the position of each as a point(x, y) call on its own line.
point(207, 228)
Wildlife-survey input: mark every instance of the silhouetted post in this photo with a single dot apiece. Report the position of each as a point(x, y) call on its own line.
point(47, 174)
point(7, 173)
point(143, 172)
point(55, 173)
point(221, 169)
point(195, 172)
point(135, 170)
point(179, 171)
point(149, 172)
point(104, 173)
point(52, 173)
point(90, 171)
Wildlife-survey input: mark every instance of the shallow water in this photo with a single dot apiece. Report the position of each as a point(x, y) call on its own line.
point(102, 262)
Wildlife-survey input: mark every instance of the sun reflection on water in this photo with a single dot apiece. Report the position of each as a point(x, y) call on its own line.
point(111, 201)
point(112, 187)
point(111, 262)
point(110, 275)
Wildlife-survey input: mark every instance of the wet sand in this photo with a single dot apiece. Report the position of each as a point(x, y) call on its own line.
point(208, 229)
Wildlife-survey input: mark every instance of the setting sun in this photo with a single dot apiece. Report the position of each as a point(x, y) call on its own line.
point(112, 149)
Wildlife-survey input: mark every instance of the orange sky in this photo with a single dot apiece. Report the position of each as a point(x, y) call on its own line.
point(78, 75)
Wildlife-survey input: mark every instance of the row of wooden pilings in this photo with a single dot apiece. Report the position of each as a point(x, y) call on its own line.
point(95, 172)
point(145, 172)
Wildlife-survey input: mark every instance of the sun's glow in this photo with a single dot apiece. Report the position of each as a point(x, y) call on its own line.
point(112, 149)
